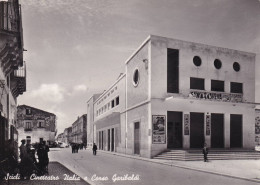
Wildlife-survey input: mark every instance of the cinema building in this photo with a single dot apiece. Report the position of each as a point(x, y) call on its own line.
point(179, 95)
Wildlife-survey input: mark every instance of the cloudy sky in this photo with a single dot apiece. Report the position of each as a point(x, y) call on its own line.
point(78, 47)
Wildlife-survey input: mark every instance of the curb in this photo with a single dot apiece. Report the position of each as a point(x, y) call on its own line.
point(179, 166)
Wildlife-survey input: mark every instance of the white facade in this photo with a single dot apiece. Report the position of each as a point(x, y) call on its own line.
point(196, 93)
point(108, 109)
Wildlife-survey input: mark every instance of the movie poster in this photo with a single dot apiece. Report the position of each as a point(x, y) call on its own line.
point(159, 134)
point(208, 125)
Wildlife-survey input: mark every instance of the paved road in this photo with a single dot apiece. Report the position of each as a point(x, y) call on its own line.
point(105, 166)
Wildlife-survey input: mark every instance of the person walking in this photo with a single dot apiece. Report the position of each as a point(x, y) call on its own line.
point(205, 151)
point(45, 156)
point(23, 153)
point(94, 149)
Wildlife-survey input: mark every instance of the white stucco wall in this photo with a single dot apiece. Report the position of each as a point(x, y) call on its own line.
point(187, 50)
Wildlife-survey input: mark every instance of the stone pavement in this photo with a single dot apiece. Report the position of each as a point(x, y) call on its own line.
point(56, 171)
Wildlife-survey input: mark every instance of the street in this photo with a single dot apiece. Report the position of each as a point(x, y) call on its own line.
point(111, 169)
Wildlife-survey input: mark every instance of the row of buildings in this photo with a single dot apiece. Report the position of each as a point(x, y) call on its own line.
point(17, 122)
point(176, 94)
point(12, 73)
point(77, 133)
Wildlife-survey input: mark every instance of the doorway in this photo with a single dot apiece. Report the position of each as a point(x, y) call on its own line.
point(113, 140)
point(174, 129)
point(236, 131)
point(196, 130)
point(108, 140)
point(217, 130)
point(136, 138)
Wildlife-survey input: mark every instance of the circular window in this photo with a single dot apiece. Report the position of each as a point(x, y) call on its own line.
point(236, 66)
point(197, 61)
point(217, 64)
point(136, 77)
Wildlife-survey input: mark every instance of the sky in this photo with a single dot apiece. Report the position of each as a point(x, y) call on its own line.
point(76, 48)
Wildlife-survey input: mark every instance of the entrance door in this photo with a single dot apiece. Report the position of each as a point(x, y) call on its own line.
point(136, 138)
point(108, 140)
point(113, 140)
point(236, 131)
point(102, 140)
point(174, 129)
point(196, 130)
point(217, 130)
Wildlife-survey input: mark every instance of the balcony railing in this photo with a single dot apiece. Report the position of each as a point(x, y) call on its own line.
point(20, 72)
point(216, 96)
point(10, 14)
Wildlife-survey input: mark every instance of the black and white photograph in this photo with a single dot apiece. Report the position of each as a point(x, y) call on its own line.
point(129, 92)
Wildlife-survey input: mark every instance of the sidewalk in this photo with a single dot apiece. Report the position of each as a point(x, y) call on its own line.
point(241, 169)
point(56, 171)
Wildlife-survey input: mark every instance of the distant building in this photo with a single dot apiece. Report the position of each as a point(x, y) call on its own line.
point(12, 71)
point(79, 131)
point(34, 124)
point(69, 135)
point(90, 120)
point(66, 135)
point(61, 138)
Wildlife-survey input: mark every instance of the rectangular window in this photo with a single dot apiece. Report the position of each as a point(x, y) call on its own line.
point(217, 85)
point(28, 125)
point(197, 83)
point(236, 87)
point(40, 124)
point(172, 70)
point(28, 112)
point(117, 100)
point(112, 103)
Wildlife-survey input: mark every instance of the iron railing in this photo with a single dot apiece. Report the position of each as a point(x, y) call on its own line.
point(21, 71)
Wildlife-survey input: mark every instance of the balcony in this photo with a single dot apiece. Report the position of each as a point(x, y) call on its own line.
point(216, 96)
point(18, 81)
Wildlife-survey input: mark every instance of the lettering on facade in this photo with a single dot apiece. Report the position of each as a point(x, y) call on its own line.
point(159, 134)
point(225, 97)
point(208, 125)
point(186, 124)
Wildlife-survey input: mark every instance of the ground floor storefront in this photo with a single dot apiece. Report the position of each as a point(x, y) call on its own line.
point(155, 127)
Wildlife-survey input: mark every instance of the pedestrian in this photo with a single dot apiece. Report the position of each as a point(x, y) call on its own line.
point(72, 147)
point(76, 148)
point(40, 152)
point(23, 153)
point(94, 149)
point(205, 151)
point(45, 156)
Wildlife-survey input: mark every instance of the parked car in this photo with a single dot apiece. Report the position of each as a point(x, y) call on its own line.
point(63, 145)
